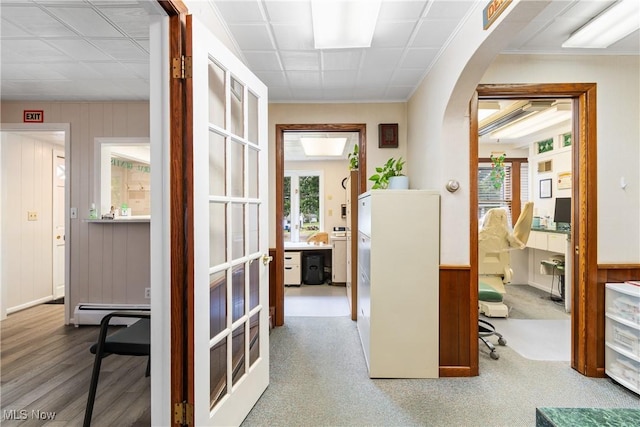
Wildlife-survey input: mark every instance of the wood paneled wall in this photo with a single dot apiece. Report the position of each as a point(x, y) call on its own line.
point(96, 260)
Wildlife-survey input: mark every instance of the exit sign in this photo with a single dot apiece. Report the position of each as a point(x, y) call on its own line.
point(33, 116)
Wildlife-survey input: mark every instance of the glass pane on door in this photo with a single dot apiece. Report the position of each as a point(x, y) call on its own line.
point(216, 95)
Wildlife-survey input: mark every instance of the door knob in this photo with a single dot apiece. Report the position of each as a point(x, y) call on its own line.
point(266, 259)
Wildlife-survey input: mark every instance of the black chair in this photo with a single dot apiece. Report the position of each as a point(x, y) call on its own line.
point(133, 340)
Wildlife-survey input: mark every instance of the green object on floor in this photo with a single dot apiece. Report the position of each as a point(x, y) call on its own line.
point(488, 294)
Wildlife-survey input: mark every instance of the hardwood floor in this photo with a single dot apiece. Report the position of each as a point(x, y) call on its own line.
point(45, 369)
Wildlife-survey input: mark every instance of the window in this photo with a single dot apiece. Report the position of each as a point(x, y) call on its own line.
point(515, 182)
point(302, 205)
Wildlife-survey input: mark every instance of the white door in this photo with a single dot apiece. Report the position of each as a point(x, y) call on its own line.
point(231, 325)
point(59, 176)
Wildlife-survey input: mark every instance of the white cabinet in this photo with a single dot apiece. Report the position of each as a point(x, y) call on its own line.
point(622, 334)
point(292, 269)
point(339, 259)
point(398, 280)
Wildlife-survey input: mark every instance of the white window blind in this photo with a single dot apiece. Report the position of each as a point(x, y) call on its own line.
point(489, 196)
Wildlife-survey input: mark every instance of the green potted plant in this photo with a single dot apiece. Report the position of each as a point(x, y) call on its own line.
point(390, 175)
point(497, 170)
point(353, 158)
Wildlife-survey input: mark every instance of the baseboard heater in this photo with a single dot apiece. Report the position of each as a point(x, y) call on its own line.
point(92, 314)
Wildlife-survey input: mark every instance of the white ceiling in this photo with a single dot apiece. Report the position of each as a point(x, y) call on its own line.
point(86, 50)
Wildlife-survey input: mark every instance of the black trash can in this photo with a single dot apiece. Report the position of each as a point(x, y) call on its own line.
point(313, 269)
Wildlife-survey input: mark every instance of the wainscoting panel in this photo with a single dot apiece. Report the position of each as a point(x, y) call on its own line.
point(455, 322)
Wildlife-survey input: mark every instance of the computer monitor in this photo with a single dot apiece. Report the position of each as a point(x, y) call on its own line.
point(562, 214)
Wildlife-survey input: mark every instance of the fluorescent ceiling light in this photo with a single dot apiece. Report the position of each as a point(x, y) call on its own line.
point(487, 108)
point(323, 147)
point(615, 23)
point(342, 24)
point(533, 123)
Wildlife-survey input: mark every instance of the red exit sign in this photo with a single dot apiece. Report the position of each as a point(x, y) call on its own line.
point(33, 116)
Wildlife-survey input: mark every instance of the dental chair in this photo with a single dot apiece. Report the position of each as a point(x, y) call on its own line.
point(495, 241)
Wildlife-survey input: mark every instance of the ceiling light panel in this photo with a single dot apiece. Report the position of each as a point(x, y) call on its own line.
point(532, 124)
point(340, 24)
point(324, 147)
point(612, 25)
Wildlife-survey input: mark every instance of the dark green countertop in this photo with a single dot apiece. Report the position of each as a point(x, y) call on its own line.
point(549, 230)
point(586, 417)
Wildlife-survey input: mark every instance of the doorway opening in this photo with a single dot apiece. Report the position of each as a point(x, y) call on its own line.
point(33, 177)
point(524, 150)
point(359, 131)
point(583, 259)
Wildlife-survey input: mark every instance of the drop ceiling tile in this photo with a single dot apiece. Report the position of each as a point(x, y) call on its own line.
point(30, 51)
point(8, 29)
point(338, 93)
point(401, 10)
point(370, 93)
point(302, 79)
point(110, 70)
point(452, 10)
point(372, 76)
point(77, 71)
point(35, 21)
point(144, 43)
point(279, 93)
point(307, 93)
point(433, 33)
point(121, 50)
point(81, 50)
point(392, 34)
point(272, 78)
point(85, 21)
point(339, 79)
point(235, 12)
point(381, 58)
point(140, 69)
point(293, 37)
point(289, 11)
point(398, 93)
point(407, 76)
point(259, 61)
point(134, 21)
point(300, 61)
point(29, 72)
point(252, 36)
point(341, 59)
point(419, 58)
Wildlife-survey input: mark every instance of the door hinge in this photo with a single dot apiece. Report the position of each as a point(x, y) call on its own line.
point(182, 67)
point(183, 413)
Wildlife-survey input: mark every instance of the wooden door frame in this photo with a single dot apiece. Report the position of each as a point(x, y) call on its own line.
point(181, 210)
point(585, 304)
point(278, 263)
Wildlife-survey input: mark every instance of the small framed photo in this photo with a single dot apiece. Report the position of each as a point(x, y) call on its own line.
point(545, 188)
point(388, 135)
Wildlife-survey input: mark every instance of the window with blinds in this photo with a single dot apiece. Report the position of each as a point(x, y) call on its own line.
point(488, 195)
point(491, 197)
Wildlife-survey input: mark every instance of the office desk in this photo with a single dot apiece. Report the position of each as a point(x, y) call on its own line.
point(293, 261)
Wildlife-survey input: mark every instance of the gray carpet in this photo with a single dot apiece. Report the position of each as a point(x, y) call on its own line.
point(319, 378)
point(527, 302)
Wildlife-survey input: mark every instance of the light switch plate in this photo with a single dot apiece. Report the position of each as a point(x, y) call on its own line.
point(73, 213)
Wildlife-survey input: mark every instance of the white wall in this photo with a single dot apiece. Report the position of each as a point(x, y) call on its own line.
point(437, 116)
point(618, 133)
point(107, 264)
point(27, 246)
point(370, 114)
point(334, 172)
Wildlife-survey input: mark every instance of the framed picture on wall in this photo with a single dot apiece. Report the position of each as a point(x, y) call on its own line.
point(388, 135)
point(545, 188)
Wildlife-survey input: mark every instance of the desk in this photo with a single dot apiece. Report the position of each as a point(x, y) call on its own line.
point(293, 268)
point(544, 241)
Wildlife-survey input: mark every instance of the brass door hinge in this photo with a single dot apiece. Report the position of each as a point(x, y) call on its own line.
point(181, 67)
point(183, 413)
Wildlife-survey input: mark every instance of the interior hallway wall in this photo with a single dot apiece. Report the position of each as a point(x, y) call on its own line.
point(618, 133)
point(27, 245)
point(108, 264)
point(370, 114)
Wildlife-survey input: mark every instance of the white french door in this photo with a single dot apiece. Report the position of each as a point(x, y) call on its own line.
point(59, 178)
point(231, 311)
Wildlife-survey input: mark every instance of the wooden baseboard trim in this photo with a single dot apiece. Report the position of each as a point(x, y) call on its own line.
point(455, 371)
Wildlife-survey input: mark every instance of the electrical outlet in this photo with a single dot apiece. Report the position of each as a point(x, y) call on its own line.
point(74, 213)
point(147, 293)
point(32, 216)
